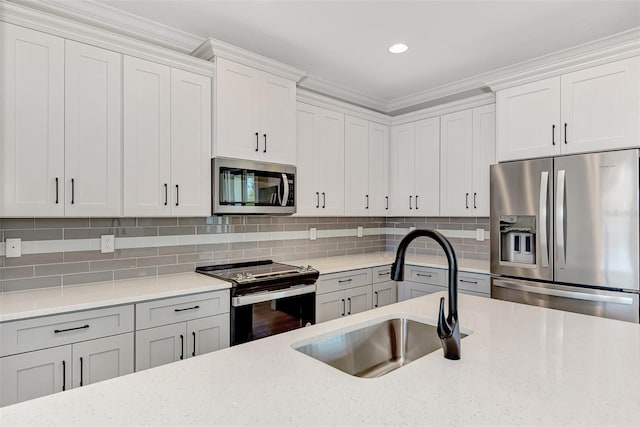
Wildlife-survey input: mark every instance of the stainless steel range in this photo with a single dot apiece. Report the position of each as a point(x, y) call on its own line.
point(267, 297)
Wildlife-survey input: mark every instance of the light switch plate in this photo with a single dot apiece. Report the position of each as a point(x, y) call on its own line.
point(13, 248)
point(107, 243)
point(480, 234)
point(313, 234)
point(360, 231)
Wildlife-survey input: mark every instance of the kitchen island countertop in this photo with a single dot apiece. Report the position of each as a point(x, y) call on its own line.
point(520, 365)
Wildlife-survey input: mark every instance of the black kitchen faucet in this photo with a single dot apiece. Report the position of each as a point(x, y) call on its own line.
point(448, 328)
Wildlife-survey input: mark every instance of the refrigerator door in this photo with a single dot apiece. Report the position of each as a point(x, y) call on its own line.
point(521, 220)
point(613, 305)
point(596, 219)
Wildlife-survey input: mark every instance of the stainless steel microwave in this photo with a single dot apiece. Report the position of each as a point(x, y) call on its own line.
point(252, 188)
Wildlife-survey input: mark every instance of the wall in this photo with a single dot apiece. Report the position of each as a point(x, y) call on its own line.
point(66, 251)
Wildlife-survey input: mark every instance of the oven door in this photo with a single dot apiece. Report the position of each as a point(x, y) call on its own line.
point(263, 314)
point(247, 187)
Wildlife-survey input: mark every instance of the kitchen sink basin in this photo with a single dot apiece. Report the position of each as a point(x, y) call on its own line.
point(377, 349)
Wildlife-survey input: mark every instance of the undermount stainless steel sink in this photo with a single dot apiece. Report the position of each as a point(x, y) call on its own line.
point(376, 350)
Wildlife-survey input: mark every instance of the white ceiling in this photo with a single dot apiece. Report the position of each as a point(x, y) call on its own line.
point(345, 42)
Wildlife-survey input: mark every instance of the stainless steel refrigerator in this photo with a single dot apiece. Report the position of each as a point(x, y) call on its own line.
point(565, 233)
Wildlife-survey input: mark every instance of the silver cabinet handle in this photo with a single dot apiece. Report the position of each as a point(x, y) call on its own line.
point(544, 220)
point(562, 261)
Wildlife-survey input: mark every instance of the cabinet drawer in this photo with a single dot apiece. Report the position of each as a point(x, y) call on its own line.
point(51, 331)
point(431, 276)
point(409, 290)
point(171, 310)
point(381, 274)
point(345, 280)
point(479, 283)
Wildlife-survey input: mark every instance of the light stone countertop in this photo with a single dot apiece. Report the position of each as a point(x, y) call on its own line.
point(48, 301)
point(521, 365)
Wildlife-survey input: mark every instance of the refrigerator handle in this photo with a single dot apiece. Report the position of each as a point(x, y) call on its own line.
point(544, 219)
point(562, 262)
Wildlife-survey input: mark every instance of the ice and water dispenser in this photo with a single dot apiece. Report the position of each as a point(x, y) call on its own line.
point(518, 239)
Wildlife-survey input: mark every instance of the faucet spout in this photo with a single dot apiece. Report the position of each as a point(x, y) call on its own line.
point(448, 325)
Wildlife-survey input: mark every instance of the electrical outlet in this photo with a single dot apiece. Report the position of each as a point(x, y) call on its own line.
point(13, 248)
point(209, 220)
point(313, 234)
point(107, 243)
point(480, 234)
point(360, 231)
point(411, 229)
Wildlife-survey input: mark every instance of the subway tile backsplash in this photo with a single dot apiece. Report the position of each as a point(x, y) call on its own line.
point(65, 251)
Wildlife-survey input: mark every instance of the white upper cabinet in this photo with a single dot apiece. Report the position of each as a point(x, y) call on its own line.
point(588, 110)
point(378, 169)
point(456, 162)
point(356, 167)
point(529, 120)
point(93, 141)
point(414, 168)
point(147, 138)
point(31, 123)
point(320, 162)
point(255, 114)
point(190, 143)
point(600, 107)
point(467, 150)
point(167, 141)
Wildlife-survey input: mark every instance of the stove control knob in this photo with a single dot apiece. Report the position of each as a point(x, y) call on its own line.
point(238, 276)
point(248, 275)
point(301, 269)
point(309, 268)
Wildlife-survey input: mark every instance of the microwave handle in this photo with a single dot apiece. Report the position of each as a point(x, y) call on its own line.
point(285, 196)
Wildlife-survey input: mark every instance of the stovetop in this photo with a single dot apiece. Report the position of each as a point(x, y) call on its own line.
point(258, 276)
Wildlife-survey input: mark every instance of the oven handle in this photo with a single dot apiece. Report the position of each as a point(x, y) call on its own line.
point(272, 295)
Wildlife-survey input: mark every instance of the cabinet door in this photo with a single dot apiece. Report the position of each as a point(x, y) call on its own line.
point(600, 107)
point(329, 149)
point(161, 345)
point(277, 119)
point(456, 162)
point(101, 359)
point(378, 169)
point(330, 306)
point(528, 120)
point(307, 200)
point(207, 334)
point(427, 168)
point(358, 299)
point(484, 155)
point(237, 111)
point(190, 144)
point(93, 135)
point(402, 169)
point(385, 293)
point(31, 123)
point(34, 374)
point(147, 138)
point(357, 200)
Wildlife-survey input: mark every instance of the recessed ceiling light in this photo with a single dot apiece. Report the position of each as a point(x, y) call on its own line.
point(398, 48)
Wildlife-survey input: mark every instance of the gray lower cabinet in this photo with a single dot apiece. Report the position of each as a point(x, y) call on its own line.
point(385, 293)
point(342, 303)
point(39, 373)
point(421, 281)
point(172, 329)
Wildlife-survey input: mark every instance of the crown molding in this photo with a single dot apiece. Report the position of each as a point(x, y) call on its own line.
point(608, 49)
point(320, 100)
point(211, 48)
point(446, 108)
point(68, 28)
point(118, 21)
point(325, 87)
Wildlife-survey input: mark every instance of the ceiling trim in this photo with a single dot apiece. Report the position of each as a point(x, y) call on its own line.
point(68, 28)
point(211, 48)
point(118, 21)
point(320, 100)
point(446, 108)
point(613, 48)
point(325, 87)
